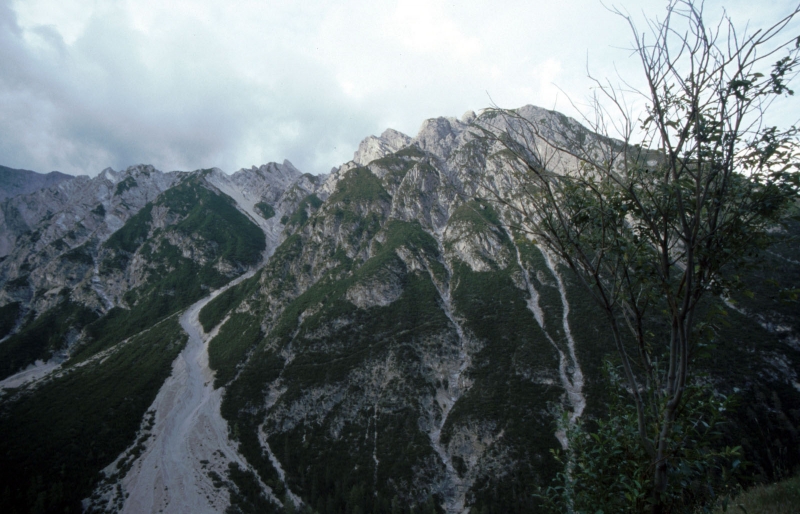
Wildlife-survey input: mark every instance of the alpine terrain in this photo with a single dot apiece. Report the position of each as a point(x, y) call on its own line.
point(373, 340)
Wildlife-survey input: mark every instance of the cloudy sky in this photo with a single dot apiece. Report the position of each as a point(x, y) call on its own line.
point(184, 84)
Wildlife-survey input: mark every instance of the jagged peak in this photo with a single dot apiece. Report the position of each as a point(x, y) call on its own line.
point(391, 134)
point(109, 174)
point(439, 136)
point(546, 118)
point(373, 147)
point(114, 176)
point(141, 169)
point(288, 164)
point(285, 170)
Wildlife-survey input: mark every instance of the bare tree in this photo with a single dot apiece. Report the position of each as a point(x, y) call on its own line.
point(660, 208)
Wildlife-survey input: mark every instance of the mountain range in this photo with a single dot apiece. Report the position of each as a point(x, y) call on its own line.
point(378, 339)
point(15, 182)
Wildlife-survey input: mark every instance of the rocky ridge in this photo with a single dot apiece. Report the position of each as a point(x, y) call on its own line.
point(15, 182)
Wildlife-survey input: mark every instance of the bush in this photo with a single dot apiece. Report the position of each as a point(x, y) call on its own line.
point(607, 469)
point(780, 498)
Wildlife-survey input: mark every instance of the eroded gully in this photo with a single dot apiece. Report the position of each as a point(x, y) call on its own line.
point(189, 437)
point(455, 487)
point(569, 369)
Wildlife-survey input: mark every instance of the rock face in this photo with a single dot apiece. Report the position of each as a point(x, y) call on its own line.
point(49, 237)
point(373, 148)
point(93, 242)
point(398, 345)
point(21, 182)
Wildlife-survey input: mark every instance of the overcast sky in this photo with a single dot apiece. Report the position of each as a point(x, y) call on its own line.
point(186, 84)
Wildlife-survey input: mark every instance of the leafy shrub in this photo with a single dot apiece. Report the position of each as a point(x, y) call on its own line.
point(606, 465)
point(778, 498)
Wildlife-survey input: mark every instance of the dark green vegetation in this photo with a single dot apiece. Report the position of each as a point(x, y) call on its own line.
point(236, 337)
point(206, 220)
point(265, 210)
point(133, 233)
point(780, 498)
point(8, 317)
point(128, 183)
point(215, 310)
point(47, 333)
point(246, 494)
point(203, 215)
point(56, 438)
point(300, 216)
point(54, 441)
point(214, 218)
point(358, 185)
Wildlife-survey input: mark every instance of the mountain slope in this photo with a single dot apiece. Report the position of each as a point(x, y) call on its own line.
point(411, 351)
point(110, 327)
point(15, 182)
point(394, 346)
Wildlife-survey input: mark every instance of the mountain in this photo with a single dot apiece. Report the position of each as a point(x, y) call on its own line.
point(21, 182)
point(373, 340)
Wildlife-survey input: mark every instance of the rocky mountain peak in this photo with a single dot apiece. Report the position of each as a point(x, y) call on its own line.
point(372, 147)
point(440, 136)
point(265, 182)
point(135, 171)
point(468, 117)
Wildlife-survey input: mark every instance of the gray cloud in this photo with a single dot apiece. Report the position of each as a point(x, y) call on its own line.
point(184, 85)
point(98, 102)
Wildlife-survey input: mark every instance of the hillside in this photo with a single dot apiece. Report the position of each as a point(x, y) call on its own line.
point(375, 340)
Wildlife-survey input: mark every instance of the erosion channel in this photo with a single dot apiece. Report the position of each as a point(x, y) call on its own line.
point(188, 440)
